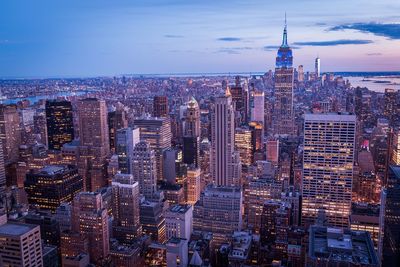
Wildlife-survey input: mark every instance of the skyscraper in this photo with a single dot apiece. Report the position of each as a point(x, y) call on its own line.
point(126, 139)
point(10, 132)
point(240, 96)
point(395, 153)
point(52, 185)
point(223, 161)
point(3, 185)
point(257, 106)
point(191, 135)
point(391, 108)
point(144, 169)
point(125, 199)
point(157, 133)
point(390, 217)
point(160, 106)
point(317, 68)
point(90, 220)
point(329, 145)
point(283, 116)
point(116, 120)
point(193, 185)
point(94, 143)
point(60, 125)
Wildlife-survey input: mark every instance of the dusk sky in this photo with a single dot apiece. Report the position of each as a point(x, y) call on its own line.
point(103, 37)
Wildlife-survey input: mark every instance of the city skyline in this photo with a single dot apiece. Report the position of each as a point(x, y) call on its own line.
point(101, 39)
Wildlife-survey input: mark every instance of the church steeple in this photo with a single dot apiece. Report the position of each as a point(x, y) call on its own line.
point(284, 39)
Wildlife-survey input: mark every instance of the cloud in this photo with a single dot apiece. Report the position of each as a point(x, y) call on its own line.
point(173, 36)
point(229, 39)
point(334, 42)
point(389, 30)
point(233, 50)
point(374, 54)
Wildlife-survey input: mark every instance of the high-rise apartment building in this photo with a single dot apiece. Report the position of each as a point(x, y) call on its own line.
point(10, 132)
point(191, 134)
point(219, 211)
point(144, 169)
point(20, 245)
point(3, 185)
point(160, 106)
point(395, 153)
point(60, 124)
point(329, 146)
point(283, 117)
point(157, 133)
point(94, 143)
point(224, 162)
point(126, 211)
point(52, 185)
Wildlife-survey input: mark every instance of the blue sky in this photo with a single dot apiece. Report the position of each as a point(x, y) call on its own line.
point(102, 37)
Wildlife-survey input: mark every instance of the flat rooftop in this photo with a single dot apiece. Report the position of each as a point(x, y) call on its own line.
point(342, 245)
point(53, 169)
point(345, 117)
point(180, 208)
point(16, 229)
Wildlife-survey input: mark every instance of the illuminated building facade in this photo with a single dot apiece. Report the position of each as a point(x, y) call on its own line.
point(328, 158)
point(125, 141)
point(244, 145)
point(10, 132)
point(60, 124)
point(396, 148)
point(193, 185)
point(48, 187)
point(125, 208)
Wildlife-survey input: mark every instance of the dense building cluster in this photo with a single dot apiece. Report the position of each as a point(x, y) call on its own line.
point(288, 168)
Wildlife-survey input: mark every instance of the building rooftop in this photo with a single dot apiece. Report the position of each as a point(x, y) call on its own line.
point(180, 208)
point(346, 117)
point(52, 169)
point(16, 229)
point(341, 245)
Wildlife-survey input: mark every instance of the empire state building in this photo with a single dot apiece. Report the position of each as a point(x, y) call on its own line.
point(283, 119)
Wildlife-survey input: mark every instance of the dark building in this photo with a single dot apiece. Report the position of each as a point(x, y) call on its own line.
point(160, 106)
point(116, 120)
point(191, 150)
point(48, 187)
point(391, 215)
point(153, 221)
point(49, 228)
point(60, 125)
point(240, 96)
point(50, 256)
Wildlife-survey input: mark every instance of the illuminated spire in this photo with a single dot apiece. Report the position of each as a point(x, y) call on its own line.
point(284, 40)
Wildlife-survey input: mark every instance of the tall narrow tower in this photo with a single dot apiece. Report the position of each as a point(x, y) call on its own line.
point(317, 68)
point(283, 119)
point(191, 138)
point(223, 160)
